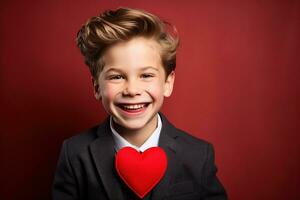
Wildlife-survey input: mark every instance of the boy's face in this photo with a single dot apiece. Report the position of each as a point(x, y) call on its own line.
point(133, 83)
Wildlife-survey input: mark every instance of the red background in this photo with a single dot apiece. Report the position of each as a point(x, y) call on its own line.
point(237, 86)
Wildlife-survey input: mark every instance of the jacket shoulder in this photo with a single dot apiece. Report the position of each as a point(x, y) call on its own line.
point(190, 140)
point(80, 142)
point(182, 136)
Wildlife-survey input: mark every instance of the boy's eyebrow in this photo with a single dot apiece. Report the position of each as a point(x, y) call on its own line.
point(113, 69)
point(148, 67)
point(120, 70)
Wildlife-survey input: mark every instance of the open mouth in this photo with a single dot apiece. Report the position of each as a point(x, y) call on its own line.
point(133, 107)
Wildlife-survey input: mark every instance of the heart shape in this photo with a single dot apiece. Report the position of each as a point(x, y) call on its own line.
point(141, 171)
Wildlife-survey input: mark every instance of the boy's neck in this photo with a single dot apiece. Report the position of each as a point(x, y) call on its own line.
point(137, 137)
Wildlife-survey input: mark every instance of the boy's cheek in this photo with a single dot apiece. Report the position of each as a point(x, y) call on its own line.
point(156, 91)
point(109, 92)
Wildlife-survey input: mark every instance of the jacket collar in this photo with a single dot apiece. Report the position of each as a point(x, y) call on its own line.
point(103, 154)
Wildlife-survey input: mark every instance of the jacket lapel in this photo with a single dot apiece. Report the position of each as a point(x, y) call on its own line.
point(103, 153)
point(168, 143)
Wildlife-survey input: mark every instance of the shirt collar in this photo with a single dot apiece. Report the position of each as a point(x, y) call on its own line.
point(152, 141)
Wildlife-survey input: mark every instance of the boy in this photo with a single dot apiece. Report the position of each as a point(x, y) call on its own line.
point(132, 60)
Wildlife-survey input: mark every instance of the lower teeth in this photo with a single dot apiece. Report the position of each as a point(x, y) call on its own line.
point(133, 108)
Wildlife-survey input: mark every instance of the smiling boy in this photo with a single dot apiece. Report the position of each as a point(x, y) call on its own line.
point(132, 59)
point(132, 87)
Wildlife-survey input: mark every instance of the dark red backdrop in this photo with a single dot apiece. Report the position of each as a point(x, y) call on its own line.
point(237, 86)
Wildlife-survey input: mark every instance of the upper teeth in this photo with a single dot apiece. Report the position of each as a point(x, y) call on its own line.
point(137, 106)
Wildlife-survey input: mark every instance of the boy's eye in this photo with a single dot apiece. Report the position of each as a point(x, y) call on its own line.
point(115, 77)
point(147, 75)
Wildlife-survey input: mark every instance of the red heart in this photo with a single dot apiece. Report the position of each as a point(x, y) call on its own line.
point(141, 171)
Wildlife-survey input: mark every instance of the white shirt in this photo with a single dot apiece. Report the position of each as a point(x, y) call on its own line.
point(152, 141)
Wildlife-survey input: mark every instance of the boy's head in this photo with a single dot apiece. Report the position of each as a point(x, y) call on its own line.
point(101, 32)
point(132, 58)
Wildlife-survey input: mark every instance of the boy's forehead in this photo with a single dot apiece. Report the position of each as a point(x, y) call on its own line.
point(137, 51)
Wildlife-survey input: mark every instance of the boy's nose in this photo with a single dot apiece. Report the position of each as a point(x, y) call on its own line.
point(132, 89)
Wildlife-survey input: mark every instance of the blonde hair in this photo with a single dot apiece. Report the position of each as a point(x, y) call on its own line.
point(113, 26)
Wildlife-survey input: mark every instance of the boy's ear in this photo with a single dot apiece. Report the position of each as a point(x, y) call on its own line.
point(169, 84)
point(96, 88)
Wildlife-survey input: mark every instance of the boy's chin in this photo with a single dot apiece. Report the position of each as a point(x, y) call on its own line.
point(133, 126)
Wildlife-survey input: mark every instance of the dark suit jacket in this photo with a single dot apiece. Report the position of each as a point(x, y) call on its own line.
point(86, 169)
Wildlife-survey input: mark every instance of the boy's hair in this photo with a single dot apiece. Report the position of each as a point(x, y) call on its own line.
point(101, 32)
